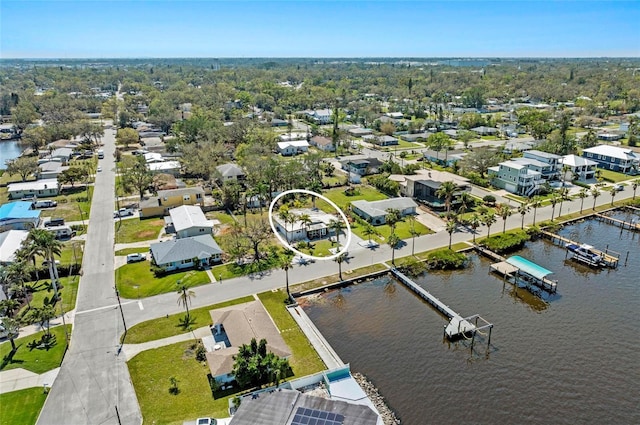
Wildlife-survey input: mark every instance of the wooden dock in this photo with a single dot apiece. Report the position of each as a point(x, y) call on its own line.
point(620, 223)
point(457, 326)
point(610, 258)
point(489, 254)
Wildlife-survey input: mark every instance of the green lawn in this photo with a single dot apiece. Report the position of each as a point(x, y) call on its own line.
point(338, 196)
point(150, 373)
point(319, 248)
point(304, 359)
point(613, 176)
point(384, 231)
point(22, 406)
point(136, 230)
point(71, 253)
point(36, 360)
point(223, 217)
point(165, 327)
point(73, 205)
point(128, 251)
point(138, 274)
point(68, 290)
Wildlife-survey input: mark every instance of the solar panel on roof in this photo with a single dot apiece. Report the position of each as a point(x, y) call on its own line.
point(305, 416)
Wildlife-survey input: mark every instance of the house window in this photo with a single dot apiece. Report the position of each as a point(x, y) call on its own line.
point(186, 197)
point(185, 261)
point(198, 196)
point(612, 166)
point(202, 230)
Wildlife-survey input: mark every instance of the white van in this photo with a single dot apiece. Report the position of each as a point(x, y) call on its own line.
point(100, 153)
point(44, 204)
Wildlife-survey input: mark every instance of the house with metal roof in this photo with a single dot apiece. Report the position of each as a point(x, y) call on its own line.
point(579, 168)
point(189, 220)
point(184, 253)
point(18, 216)
point(293, 147)
point(39, 188)
point(10, 242)
point(613, 158)
point(375, 211)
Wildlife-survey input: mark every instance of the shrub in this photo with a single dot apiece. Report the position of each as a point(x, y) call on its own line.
point(201, 353)
point(446, 259)
point(489, 200)
point(414, 268)
point(506, 242)
point(476, 179)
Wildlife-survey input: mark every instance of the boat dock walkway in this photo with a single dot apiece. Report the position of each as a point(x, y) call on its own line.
point(620, 223)
point(489, 253)
point(610, 258)
point(458, 326)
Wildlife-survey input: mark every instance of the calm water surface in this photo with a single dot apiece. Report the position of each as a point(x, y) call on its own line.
point(9, 149)
point(572, 359)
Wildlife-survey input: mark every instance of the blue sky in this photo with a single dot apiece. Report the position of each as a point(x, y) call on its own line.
point(105, 29)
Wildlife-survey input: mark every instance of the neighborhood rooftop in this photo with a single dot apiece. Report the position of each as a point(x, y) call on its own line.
point(376, 208)
point(18, 209)
point(187, 216)
point(202, 246)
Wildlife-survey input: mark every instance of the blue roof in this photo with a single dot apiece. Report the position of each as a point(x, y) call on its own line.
point(19, 209)
point(529, 267)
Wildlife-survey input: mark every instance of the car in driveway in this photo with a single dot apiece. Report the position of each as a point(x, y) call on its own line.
point(123, 212)
point(134, 258)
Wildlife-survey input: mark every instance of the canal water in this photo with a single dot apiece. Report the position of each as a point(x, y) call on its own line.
point(9, 149)
point(573, 358)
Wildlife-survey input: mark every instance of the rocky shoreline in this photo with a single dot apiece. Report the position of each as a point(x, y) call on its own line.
point(388, 417)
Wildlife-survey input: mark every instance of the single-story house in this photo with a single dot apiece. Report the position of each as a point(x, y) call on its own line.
point(316, 228)
point(189, 220)
point(395, 115)
point(277, 122)
point(623, 160)
point(166, 167)
point(177, 254)
point(231, 172)
point(446, 158)
point(322, 143)
point(62, 154)
point(359, 132)
point(50, 170)
point(150, 157)
point(293, 147)
point(237, 325)
point(10, 242)
point(40, 189)
point(579, 167)
point(18, 216)
point(415, 137)
point(375, 211)
point(609, 136)
point(385, 140)
point(362, 167)
point(485, 131)
point(171, 198)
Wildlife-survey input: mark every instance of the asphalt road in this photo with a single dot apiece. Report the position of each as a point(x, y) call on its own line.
point(93, 380)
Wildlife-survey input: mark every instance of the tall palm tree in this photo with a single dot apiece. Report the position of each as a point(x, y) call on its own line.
point(340, 259)
point(392, 217)
point(12, 328)
point(554, 201)
point(305, 220)
point(466, 202)
point(563, 195)
point(474, 222)
point(523, 209)
point(488, 219)
point(504, 211)
point(369, 231)
point(413, 232)
point(285, 216)
point(634, 185)
point(613, 192)
point(43, 243)
point(393, 241)
point(536, 203)
point(565, 170)
point(582, 194)
point(184, 298)
point(451, 227)
point(337, 226)
point(595, 192)
point(447, 190)
point(285, 264)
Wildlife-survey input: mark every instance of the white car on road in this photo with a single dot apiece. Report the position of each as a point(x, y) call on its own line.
point(134, 258)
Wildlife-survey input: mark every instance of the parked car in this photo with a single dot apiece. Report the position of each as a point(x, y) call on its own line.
point(99, 169)
point(62, 232)
point(44, 204)
point(619, 187)
point(123, 212)
point(134, 258)
point(206, 421)
point(54, 222)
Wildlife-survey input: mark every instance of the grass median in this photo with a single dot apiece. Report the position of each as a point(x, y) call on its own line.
point(22, 406)
point(30, 356)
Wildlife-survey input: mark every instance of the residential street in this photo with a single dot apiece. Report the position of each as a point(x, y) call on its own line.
point(93, 386)
point(93, 380)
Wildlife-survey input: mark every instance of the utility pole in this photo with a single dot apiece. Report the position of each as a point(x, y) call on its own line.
point(121, 313)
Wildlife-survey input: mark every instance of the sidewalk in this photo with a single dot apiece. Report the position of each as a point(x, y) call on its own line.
point(19, 379)
point(131, 350)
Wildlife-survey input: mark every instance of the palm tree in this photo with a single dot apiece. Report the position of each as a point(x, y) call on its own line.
point(393, 241)
point(285, 264)
point(595, 192)
point(337, 226)
point(565, 170)
point(504, 211)
point(488, 219)
point(447, 190)
point(413, 232)
point(42, 242)
point(392, 217)
point(8, 306)
point(474, 222)
point(12, 328)
point(523, 209)
point(634, 185)
point(536, 203)
point(613, 192)
point(451, 227)
point(466, 201)
point(369, 231)
point(185, 295)
point(285, 216)
point(563, 195)
point(582, 194)
point(554, 200)
point(305, 220)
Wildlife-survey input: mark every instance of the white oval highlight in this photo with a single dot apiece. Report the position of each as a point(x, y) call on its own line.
point(285, 243)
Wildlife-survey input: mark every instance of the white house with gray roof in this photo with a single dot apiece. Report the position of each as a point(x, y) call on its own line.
point(375, 211)
point(189, 220)
point(184, 253)
point(230, 172)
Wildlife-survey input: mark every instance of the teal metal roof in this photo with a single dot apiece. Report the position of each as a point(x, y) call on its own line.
point(528, 267)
